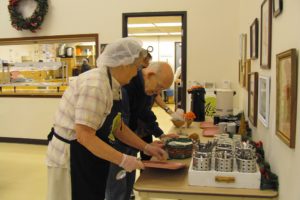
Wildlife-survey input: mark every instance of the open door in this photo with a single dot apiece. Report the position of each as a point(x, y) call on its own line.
point(162, 29)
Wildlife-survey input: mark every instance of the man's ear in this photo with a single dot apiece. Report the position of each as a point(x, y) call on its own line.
point(151, 73)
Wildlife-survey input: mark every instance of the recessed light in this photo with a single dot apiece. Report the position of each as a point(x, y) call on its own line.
point(139, 25)
point(168, 24)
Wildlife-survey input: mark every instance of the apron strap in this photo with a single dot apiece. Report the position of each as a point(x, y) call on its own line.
point(52, 133)
point(109, 77)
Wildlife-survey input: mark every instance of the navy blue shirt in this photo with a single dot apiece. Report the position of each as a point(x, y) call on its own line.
point(137, 106)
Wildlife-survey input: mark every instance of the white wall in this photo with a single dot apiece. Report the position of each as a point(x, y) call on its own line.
point(27, 117)
point(285, 162)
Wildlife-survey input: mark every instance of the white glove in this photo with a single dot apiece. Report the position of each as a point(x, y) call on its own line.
point(130, 163)
point(178, 115)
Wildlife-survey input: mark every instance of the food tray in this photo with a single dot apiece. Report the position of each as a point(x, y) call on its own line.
point(163, 165)
point(210, 132)
point(204, 125)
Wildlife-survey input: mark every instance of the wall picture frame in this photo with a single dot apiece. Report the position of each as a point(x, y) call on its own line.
point(247, 71)
point(254, 40)
point(243, 47)
point(252, 97)
point(266, 34)
point(286, 96)
point(277, 7)
point(241, 73)
point(264, 99)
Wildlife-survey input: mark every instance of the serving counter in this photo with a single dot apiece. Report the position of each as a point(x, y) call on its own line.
point(173, 184)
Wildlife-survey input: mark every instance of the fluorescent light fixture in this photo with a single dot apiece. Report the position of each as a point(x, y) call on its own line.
point(139, 25)
point(147, 34)
point(175, 33)
point(167, 24)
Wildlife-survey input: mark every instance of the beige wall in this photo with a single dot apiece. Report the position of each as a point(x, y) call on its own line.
point(213, 28)
point(285, 162)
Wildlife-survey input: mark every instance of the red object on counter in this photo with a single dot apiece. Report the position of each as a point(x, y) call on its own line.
point(163, 165)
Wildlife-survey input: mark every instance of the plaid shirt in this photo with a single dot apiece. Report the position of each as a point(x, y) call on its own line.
point(87, 101)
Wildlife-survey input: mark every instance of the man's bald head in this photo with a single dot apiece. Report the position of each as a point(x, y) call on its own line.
point(157, 76)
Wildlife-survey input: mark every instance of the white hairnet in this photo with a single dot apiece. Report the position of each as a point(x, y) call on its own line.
point(122, 52)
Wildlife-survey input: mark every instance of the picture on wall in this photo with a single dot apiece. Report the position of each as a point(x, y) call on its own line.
point(252, 97)
point(254, 40)
point(264, 99)
point(266, 34)
point(277, 7)
point(286, 96)
point(247, 71)
point(243, 47)
point(240, 72)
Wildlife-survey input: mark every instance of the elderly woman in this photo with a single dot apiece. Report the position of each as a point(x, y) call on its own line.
point(78, 158)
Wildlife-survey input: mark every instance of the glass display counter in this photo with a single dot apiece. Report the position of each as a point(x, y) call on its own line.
point(33, 79)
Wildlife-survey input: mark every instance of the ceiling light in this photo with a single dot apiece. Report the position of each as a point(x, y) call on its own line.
point(146, 34)
point(175, 33)
point(139, 25)
point(168, 24)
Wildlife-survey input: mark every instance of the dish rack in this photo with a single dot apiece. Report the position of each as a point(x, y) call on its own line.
point(225, 162)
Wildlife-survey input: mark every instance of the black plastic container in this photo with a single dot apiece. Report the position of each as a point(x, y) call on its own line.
point(198, 103)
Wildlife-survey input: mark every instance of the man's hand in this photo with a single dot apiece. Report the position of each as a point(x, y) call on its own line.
point(155, 151)
point(170, 135)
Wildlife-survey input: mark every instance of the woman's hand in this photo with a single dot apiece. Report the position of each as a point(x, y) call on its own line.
point(131, 163)
point(155, 151)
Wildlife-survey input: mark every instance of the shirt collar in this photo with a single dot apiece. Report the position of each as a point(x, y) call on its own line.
point(116, 87)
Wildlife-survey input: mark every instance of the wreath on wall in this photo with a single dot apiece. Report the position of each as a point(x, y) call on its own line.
point(31, 23)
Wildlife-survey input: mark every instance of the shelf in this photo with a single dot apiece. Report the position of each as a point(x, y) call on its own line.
point(84, 55)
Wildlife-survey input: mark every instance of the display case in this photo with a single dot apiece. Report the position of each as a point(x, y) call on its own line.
point(42, 66)
point(34, 78)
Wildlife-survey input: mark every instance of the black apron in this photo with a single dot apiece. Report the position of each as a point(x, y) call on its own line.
point(89, 172)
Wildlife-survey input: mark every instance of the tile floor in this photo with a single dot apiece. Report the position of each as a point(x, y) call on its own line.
point(23, 174)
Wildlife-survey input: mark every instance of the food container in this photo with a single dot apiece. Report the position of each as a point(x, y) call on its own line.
point(178, 123)
point(179, 148)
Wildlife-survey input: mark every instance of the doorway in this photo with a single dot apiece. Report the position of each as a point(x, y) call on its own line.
point(161, 25)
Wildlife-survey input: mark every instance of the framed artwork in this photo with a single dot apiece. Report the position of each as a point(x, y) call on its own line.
point(241, 73)
point(266, 34)
point(286, 96)
point(247, 71)
point(252, 97)
point(264, 99)
point(277, 7)
point(243, 47)
point(254, 40)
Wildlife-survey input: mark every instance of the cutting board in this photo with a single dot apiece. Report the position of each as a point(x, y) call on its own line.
point(163, 165)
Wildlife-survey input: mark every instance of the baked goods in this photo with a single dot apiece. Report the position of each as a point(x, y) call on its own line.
point(179, 148)
point(194, 136)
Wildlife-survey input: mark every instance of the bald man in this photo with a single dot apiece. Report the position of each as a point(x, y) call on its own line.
point(137, 98)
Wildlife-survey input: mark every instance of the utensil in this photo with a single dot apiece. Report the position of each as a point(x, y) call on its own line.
point(121, 174)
